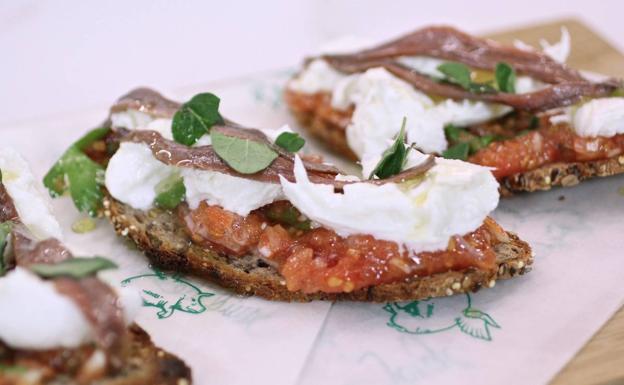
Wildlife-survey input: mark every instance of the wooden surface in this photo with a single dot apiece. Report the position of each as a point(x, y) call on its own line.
point(601, 361)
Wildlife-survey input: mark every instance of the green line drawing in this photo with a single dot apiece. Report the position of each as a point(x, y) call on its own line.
point(169, 293)
point(436, 315)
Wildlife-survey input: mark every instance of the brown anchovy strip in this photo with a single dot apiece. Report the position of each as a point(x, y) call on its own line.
point(148, 101)
point(8, 212)
point(556, 95)
point(205, 158)
point(97, 301)
point(448, 43)
point(568, 86)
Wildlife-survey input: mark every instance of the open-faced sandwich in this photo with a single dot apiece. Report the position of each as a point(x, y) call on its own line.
point(243, 208)
point(535, 121)
point(60, 323)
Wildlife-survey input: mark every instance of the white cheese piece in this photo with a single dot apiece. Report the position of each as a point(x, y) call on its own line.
point(317, 77)
point(31, 204)
point(560, 50)
point(238, 195)
point(382, 101)
point(133, 173)
point(424, 65)
point(452, 199)
point(135, 120)
point(599, 117)
point(35, 316)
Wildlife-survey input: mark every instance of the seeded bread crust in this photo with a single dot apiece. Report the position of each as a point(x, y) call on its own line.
point(147, 365)
point(161, 236)
point(330, 128)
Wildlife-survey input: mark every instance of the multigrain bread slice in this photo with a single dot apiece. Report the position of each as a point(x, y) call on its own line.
point(160, 234)
point(312, 112)
point(146, 365)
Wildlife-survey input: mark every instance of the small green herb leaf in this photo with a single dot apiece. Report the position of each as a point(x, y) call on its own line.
point(13, 369)
point(73, 267)
point(170, 192)
point(290, 141)
point(76, 172)
point(393, 159)
point(288, 215)
point(243, 155)
point(458, 151)
point(453, 132)
point(505, 78)
point(456, 73)
point(480, 142)
point(534, 123)
point(195, 118)
point(5, 231)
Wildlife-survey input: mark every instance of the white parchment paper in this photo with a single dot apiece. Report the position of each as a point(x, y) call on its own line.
point(521, 331)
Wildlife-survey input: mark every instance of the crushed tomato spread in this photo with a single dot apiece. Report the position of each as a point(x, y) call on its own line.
point(318, 259)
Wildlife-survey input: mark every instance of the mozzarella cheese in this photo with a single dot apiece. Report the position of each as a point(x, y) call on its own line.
point(133, 173)
point(599, 117)
point(453, 198)
point(30, 203)
point(35, 316)
point(382, 101)
point(235, 194)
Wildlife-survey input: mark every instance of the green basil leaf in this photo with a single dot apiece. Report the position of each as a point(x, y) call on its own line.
point(453, 132)
point(289, 216)
point(91, 136)
point(458, 151)
point(243, 155)
point(76, 172)
point(195, 118)
point(393, 159)
point(290, 141)
point(478, 143)
point(73, 267)
point(505, 78)
point(456, 73)
point(5, 232)
point(13, 369)
point(170, 192)
point(534, 123)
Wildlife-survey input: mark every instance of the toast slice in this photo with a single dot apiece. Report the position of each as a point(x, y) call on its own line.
point(159, 233)
point(146, 365)
point(315, 114)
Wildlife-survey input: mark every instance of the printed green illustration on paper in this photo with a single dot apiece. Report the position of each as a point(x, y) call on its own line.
point(435, 315)
point(169, 293)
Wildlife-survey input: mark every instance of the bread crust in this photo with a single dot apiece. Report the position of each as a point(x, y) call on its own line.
point(161, 235)
point(323, 125)
point(146, 365)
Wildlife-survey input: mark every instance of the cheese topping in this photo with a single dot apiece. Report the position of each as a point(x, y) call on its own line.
point(133, 173)
point(599, 117)
point(31, 205)
point(453, 198)
point(35, 316)
point(382, 101)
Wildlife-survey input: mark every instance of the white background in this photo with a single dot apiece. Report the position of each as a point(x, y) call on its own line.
point(66, 56)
